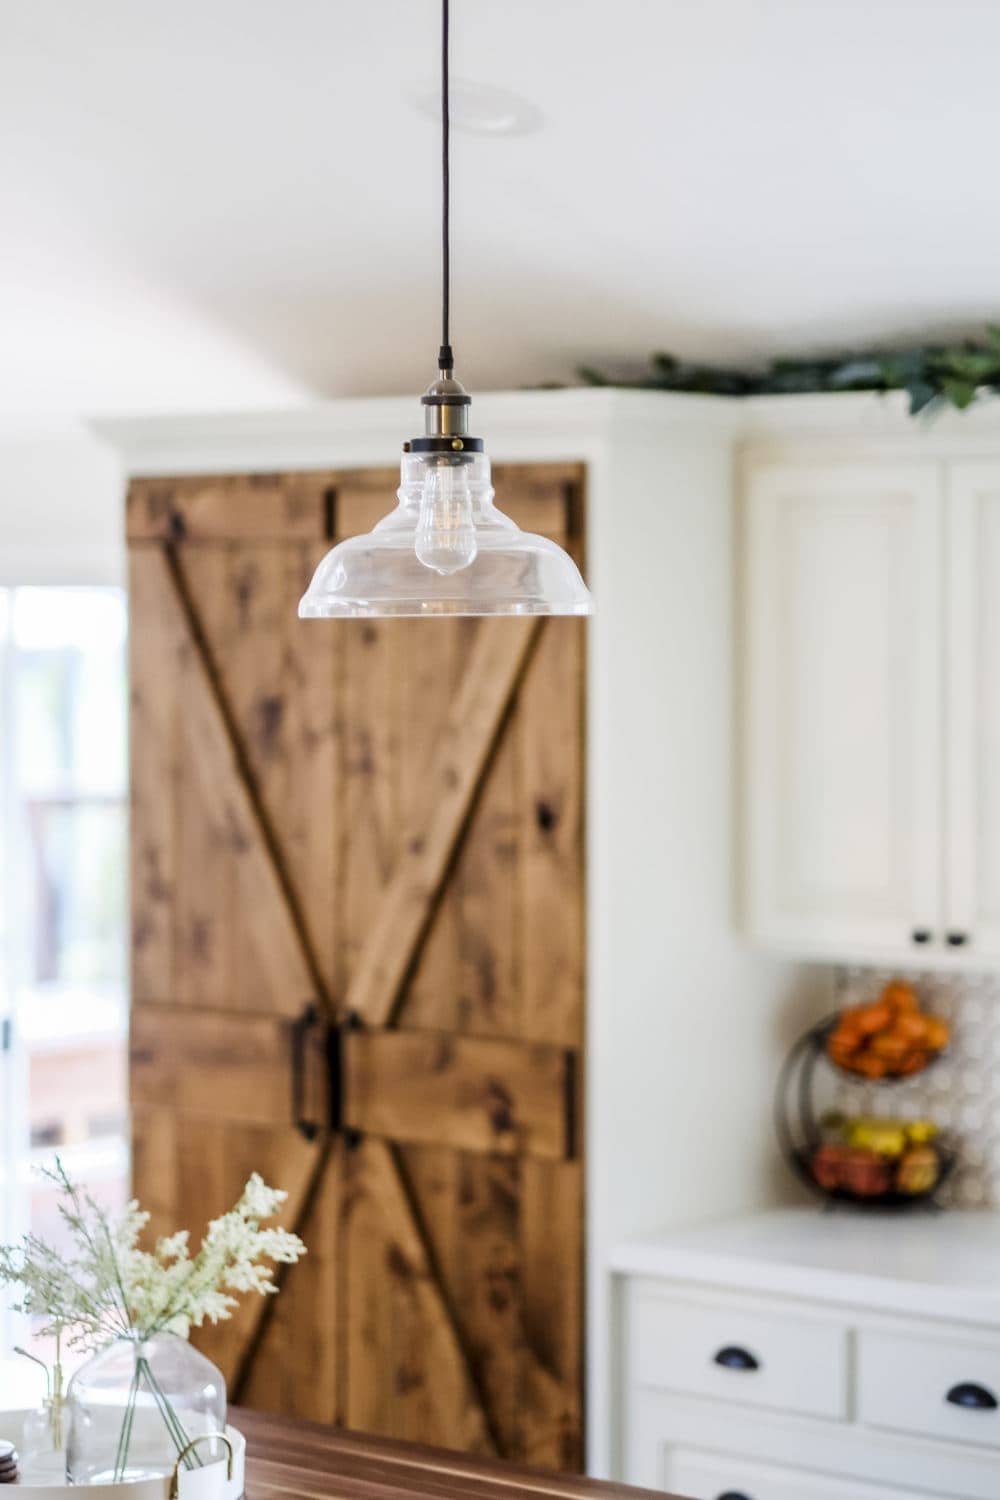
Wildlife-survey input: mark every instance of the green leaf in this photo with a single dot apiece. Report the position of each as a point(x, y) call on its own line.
point(921, 394)
point(961, 393)
point(929, 373)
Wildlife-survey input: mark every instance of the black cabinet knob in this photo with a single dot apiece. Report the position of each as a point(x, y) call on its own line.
point(957, 939)
point(733, 1495)
point(972, 1397)
point(732, 1357)
point(921, 934)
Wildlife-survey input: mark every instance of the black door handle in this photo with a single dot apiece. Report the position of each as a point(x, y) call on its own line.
point(300, 1030)
point(921, 935)
point(972, 1397)
point(957, 939)
point(732, 1357)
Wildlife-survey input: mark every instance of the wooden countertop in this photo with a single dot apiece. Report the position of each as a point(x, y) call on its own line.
point(292, 1460)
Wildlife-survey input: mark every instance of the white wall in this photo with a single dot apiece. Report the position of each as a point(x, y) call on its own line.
point(61, 509)
point(688, 1025)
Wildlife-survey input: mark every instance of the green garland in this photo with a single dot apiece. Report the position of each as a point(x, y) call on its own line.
point(931, 374)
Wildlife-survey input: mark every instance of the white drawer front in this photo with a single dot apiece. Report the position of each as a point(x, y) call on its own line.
point(709, 1476)
point(787, 1364)
point(904, 1384)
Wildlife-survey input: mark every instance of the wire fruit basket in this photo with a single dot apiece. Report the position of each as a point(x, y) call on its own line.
point(863, 1161)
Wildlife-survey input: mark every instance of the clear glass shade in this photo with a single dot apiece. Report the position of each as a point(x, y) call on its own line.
point(445, 550)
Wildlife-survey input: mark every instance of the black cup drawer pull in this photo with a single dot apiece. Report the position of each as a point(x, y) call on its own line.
point(972, 1396)
point(732, 1357)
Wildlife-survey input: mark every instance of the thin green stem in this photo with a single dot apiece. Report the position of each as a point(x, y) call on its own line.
point(125, 1436)
point(170, 1418)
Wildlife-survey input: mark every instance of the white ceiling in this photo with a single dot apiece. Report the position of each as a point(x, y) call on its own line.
point(221, 203)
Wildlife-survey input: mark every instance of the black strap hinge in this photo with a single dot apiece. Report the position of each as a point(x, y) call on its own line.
point(333, 1051)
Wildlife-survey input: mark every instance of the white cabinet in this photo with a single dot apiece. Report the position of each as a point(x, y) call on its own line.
point(843, 692)
point(972, 706)
point(798, 1356)
point(872, 694)
point(706, 1475)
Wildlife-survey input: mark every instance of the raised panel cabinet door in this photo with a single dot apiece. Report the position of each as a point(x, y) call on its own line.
point(972, 710)
point(843, 692)
point(357, 960)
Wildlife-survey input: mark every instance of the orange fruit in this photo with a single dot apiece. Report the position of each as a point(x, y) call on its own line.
point(938, 1034)
point(900, 997)
point(890, 1047)
point(874, 1017)
point(913, 1027)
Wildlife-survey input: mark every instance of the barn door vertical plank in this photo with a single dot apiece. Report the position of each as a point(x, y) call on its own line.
point(278, 675)
point(471, 1206)
point(155, 645)
point(371, 750)
point(550, 733)
point(208, 924)
point(551, 1259)
point(294, 1366)
point(155, 1174)
point(425, 689)
point(550, 747)
point(485, 894)
point(407, 1373)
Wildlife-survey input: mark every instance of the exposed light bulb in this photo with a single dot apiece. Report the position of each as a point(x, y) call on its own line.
point(446, 536)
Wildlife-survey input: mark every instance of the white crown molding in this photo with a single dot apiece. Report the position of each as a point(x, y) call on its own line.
point(516, 425)
point(521, 426)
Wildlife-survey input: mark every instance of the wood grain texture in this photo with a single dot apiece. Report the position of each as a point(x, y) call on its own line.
point(382, 816)
point(407, 1370)
point(228, 507)
point(549, 736)
point(498, 658)
point(189, 1169)
point(173, 1056)
point(551, 1251)
point(278, 676)
point(267, 921)
point(476, 1093)
point(291, 1458)
point(290, 1367)
point(155, 644)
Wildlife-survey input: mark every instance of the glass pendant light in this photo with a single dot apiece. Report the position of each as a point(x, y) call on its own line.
point(446, 549)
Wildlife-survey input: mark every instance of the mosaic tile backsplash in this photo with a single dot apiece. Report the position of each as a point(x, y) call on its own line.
point(961, 1092)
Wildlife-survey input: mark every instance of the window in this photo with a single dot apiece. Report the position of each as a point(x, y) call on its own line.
point(63, 859)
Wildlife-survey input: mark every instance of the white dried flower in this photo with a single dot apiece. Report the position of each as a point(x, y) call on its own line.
point(109, 1288)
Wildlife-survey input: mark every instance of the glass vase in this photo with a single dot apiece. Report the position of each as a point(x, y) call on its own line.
point(43, 1443)
point(136, 1408)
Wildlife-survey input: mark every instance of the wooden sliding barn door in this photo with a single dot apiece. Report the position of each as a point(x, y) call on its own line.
point(357, 890)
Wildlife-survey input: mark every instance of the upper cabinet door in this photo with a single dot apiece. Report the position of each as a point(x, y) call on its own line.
point(972, 710)
point(843, 793)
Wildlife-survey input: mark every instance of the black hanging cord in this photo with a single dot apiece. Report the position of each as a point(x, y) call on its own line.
point(446, 360)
